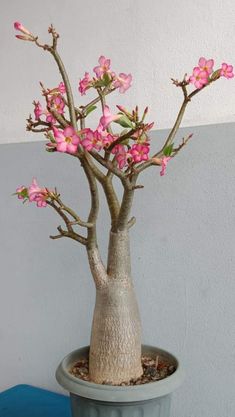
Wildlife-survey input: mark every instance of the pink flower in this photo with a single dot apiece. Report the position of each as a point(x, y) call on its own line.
point(85, 83)
point(50, 118)
point(226, 71)
point(206, 65)
point(108, 117)
point(33, 190)
point(164, 163)
point(37, 194)
point(61, 88)
point(123, 82)
point(92, 140)
point(98, 139)
point(20, 191)
point(27, 36)
point(103, 68)
point(199, 78)
point(107, 138)
point(57, 103)
point(120, 155)
point(139, 152)
point(88, 141)
point(67, 140)
point(38, 110)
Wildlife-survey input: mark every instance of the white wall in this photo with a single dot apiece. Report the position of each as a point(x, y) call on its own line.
point(154, 40)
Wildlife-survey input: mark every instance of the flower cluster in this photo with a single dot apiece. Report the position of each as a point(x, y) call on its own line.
point(125, 155)
point(204, 73)
point(67, 140)
point(33, 193)
point(105, 77)
point(54, 102)
point(131, 146)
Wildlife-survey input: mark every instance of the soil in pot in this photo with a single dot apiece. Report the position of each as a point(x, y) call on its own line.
point(153, 370)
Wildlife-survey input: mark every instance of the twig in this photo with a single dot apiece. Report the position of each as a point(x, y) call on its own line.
point(70, 232)
point(74, 236)
point(183, 143)
point(131, 222)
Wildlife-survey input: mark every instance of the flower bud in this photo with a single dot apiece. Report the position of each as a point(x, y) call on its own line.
point(27, 35)
point(215, 75)
point(21, 28)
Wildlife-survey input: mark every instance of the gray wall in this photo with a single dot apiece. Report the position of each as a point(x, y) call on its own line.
point(183, 267)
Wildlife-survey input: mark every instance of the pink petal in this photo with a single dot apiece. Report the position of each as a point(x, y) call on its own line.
point(196, 71)
point(71, 148)
point(69, 131)
point(61, 147)
point(58, 134)
point(75, 140)
point(106, 111)
point(202, 62)
point(198, 84)
point(210, 63)
point(87, 144)
point(101, 60)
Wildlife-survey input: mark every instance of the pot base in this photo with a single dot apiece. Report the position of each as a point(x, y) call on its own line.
point(84, 407)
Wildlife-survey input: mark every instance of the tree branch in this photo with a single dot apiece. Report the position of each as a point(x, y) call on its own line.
point(59, 117)
point(109, 192)
point(96, 100)
point(98, 270)
point(72, 213)
point(107, 164)
point(92, 218)
point(126, 204)
point(75, 236)
point(70, 232)
point(53, 51)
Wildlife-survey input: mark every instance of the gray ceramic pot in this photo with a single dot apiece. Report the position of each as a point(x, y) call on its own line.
point(95, 400)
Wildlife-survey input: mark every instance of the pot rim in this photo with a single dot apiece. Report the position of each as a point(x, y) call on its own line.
point(113, 393)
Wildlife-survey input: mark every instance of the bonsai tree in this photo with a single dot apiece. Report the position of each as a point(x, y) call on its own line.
point(106, 153)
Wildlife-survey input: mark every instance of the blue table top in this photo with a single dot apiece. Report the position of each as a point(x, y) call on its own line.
point(28, 401)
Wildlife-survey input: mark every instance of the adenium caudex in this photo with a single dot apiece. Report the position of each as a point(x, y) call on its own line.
point(115, 348)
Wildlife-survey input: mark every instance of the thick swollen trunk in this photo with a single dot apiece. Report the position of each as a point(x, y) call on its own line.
point(115, 348)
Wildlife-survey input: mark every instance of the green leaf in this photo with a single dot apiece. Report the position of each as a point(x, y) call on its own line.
point(124, 121)
point(106, 79)
point(90, 109)
point(23, 193)
point(168, 149)
point(99, 83)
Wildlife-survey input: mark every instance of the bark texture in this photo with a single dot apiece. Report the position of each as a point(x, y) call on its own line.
point(115, 348)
